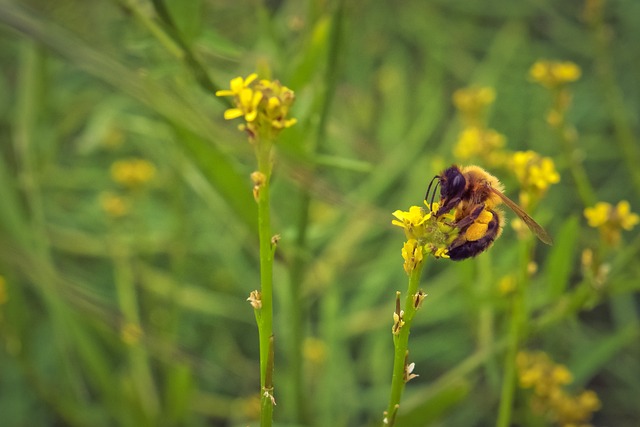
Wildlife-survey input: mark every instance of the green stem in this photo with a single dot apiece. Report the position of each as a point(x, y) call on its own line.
point(138, 356)
point(614, 97)
point(401, 346)
point(516, 332)
point(576, 166)
point(264, 315)
point(146, 19)
point(299, 258)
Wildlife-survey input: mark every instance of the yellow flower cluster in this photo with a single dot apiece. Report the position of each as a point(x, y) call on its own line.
point(538, 372)
point(472, 103)
point(611, 220)
point(264, 105)
point(534, 172)
point(413, 254)
point(554, 74)
point(476, 140)
point(425, 234)
point(132, 172)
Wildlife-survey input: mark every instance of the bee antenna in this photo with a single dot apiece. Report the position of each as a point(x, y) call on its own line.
point(435, 190)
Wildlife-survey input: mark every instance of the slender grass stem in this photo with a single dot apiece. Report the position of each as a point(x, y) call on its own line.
point(614, 95)
point(138, 355)
point(299, 260)
point(401, 345)
point(508, 380)
point(516, 331)
point(576, 166)
point(264, 314)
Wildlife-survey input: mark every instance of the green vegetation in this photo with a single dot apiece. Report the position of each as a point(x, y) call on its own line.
point(129, 234)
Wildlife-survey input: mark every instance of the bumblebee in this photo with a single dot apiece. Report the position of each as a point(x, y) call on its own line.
point(474, 194)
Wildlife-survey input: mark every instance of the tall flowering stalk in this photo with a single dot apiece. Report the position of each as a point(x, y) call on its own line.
point(426, 235)
point(477, 141)
point(264, 105)
point(555, 77)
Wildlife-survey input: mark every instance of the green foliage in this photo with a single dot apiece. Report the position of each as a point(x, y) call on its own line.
point(140, 318)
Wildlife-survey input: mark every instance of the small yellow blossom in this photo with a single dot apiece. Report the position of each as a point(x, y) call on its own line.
point(439, 252)
point(264, 104)
point(554, 74)
point(132, 172)
point(237, 85)
point(247, 106)
point(535, 173)
point(623, 214)
point(472, 103)
point(114, 205)
point(413, 255)
point(611, 220)
point(598, 215)
point(412, 221)
point(478, 142)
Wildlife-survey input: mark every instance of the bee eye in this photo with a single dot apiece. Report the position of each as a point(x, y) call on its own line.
point(457, 183)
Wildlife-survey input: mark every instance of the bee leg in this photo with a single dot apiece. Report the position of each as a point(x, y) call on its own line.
point(448, 205)
point(465, 222)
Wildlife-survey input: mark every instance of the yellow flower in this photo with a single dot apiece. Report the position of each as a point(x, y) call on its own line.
point(264, 104)
point(412, 221)
point(623, 214)
point(132, 172)
point(424, 231)
point(472, 103)
point(598, 215)
point(247, 106)
point(413, 255)
point(115, 206)
point(440, 252)
point(554, 74)
point(534, 172)
point(237, 85)
point(611, 220)
point(561, 375)
point(475, 141)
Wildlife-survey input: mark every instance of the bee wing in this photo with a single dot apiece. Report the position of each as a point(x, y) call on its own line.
point(536, 228)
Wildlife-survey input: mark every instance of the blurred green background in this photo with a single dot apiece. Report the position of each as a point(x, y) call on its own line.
point(122, 300)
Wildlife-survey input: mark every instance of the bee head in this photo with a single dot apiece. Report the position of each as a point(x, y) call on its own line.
point(452, 183)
